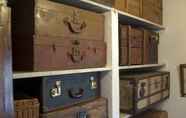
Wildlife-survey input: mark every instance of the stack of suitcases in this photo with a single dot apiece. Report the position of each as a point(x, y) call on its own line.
point(47, 36)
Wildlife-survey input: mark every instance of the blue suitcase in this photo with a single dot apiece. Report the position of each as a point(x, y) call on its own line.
point(60, 91)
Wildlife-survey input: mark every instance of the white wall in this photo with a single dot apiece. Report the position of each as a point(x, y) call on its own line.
point(173, 52)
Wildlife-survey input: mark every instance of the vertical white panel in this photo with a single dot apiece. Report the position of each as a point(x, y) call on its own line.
point(110, 80)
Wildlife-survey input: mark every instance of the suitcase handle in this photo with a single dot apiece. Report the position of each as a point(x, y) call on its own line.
point(76, 95)
point(74, 23)
point(76, 55)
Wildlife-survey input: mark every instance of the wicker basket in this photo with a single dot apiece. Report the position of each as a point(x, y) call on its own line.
point(27, 108)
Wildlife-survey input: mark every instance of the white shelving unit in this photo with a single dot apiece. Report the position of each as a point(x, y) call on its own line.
point(110, 73)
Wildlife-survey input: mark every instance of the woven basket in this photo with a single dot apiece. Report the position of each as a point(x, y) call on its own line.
point(27, 108)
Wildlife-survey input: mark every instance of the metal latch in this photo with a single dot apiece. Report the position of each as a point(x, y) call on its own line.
point(56, 91)
point(93, 83)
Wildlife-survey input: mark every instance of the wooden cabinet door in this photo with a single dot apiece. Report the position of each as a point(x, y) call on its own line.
point(6, 99)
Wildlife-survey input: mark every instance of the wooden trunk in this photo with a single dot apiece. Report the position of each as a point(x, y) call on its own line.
point(140, 91)
point(131, 6)
point(131, 45)
point(53, 36)
point(151, 40)
point(93, 109)
point(152, 10)
point(61, 91)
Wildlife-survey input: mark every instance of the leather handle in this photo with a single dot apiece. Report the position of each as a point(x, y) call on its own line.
point(74, 23)
point(76, 95)
point(76, 55)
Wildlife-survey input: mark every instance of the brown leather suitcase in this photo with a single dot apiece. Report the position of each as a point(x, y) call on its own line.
point(140, 91)
point(151, 41)
point(53, 36)
point(131, 6)
point(152, 10)
point(93, 109)
point(131, 45)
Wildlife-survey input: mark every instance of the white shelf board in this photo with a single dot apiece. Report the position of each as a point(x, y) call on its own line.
point(88, 5)
point(21, 75)
point(127, 18)
point(141, 66)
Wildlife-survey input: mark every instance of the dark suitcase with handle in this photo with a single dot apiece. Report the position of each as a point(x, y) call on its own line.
point(61, 91)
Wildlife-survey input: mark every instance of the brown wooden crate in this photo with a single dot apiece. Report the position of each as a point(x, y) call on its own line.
point(26, 108)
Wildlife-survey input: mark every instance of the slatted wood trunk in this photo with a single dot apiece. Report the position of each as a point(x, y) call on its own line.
point(53, 36)
point(140, 91)
point(93, 109)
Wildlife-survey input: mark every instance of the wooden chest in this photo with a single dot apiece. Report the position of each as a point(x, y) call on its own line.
point(140, 91)
point(152, 10)
point(131, 45)
point(131, 6)
point(61, 91)
point(51, 36)
point(151, 41)
point(92, 109)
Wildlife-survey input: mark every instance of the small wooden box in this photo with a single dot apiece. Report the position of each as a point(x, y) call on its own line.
point(139, 91)
point(26, 108)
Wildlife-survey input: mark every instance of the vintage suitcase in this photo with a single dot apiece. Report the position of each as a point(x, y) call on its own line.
point(151, 41)
point(92, 109)
point(53, 36)
point(61, 91)
point(133, 7)
point(139, 91)
point(131, 45)
point(152, 10)
point(153, 114)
